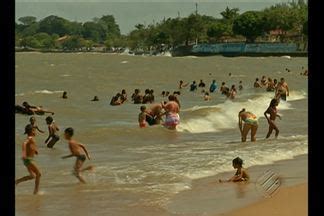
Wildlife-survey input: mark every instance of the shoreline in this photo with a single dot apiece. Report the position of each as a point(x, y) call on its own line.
point(210, 198)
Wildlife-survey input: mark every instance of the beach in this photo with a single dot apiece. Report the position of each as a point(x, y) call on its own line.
point(153, 170)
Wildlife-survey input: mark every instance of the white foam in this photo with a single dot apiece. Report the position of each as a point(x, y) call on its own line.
point(225, 117)
point(45, 91)
point(124, 62)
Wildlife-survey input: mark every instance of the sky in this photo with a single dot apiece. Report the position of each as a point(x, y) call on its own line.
point(128, 13)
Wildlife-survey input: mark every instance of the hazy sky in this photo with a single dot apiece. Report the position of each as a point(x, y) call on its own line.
point(128, 13)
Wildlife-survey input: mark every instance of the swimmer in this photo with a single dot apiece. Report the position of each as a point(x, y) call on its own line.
point(282, 90)
point(232, 92)
point(193, 86)
point(207, 96)
point(182, 85)
point(213, 86)
point(36, 110)
point(64, 96)
point(172, 108)
point(201, 84)
point(256, 83)
point(95, 98)
point(240, 86)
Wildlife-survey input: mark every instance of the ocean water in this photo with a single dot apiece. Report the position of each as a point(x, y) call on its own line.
point(139, 169)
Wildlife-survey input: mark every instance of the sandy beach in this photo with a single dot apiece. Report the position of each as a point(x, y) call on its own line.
point(288, 201)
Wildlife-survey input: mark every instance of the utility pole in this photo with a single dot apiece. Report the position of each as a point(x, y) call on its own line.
point(178, 14)
point(196, 8)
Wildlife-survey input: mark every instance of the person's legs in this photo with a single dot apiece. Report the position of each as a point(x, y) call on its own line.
point(246, 129)
point(33, 168)
point(77, 167)
point(270, 131)
point(254, 129)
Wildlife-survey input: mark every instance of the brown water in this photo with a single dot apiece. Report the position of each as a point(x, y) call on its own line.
point(138, 171)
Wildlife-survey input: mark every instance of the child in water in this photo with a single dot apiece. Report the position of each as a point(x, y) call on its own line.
point(143, 116)
point(79, 151)
point(32, 121)
point(52, 129)
point(240, 175)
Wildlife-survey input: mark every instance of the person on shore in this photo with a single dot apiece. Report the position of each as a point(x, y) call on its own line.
point(240, 85)
point(29, 150)
point(193, 86)
point(52, 132)
point(213, 86)
point(240, 174)
point(35, 109)
point(250, 123)
point(273, 112)
point(201, 84)
point(256, 83)
point(182, 84)
point(172, 108)
point(32, 121)
point(79, 151)
point(64, 96)
point(282, 90)
point(95, 98)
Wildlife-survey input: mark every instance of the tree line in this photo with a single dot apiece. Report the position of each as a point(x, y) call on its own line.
point(287, 21)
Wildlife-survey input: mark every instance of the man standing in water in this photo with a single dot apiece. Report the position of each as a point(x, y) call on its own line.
point(29, 150)
point(250, 123)
point(172, 108)
point(282, 90)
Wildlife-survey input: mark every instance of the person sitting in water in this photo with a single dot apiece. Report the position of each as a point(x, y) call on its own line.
point(35, 110)
point(142, 116)
point(256, 83)
point(250, 123)
point(137, 97)
point(182, 85)
point(240, 174)
point(206, 96)
point(232, 93)
point(240, 85)
point(64, 96)
point(201, 84)
point(172, 108)
point(270, 85)
point(115, 100)
point(123, 96)
point(95, 98)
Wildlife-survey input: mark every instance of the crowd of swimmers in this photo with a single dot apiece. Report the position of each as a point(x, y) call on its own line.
point(165, 113)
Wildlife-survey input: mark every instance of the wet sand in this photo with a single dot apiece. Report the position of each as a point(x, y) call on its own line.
point(289, 201)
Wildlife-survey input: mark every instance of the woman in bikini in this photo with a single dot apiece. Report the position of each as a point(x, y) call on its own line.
point(250, 123)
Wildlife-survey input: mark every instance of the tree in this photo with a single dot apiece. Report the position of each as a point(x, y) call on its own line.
point(250, 25)
point(73, 43)
point(54, 25)
point(230, 14)
point(217, 30)
point(93, 31)
point(27, 20)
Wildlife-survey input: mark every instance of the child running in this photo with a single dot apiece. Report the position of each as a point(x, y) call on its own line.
point(240, 175)
point(79, 151)
point(52, 129)
point(29, 149)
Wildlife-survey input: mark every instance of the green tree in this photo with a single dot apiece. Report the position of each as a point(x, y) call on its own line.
point(54, 25)
point(230, 14)
point(92, 31)
point(27, 20)
point(73, 43)
point(218, 29)
point(250, 25)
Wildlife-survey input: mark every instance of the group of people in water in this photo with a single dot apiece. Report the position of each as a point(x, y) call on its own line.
point(165, 113)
